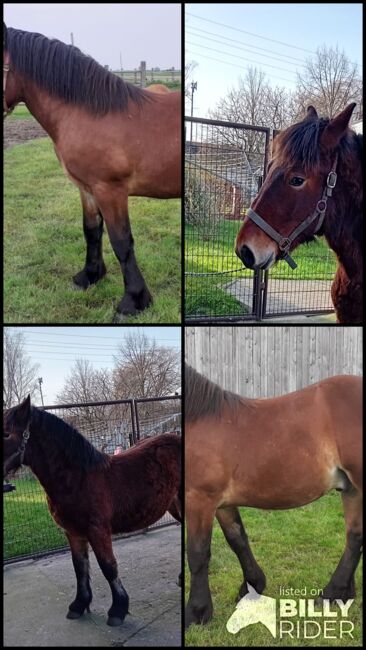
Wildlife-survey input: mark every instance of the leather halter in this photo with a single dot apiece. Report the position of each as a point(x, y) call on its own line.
point(6, 109)
point(20, 450)
point(284, 243)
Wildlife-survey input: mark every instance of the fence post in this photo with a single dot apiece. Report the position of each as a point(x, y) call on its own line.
point(134, 435)
point(143, 73)
point(136, 418)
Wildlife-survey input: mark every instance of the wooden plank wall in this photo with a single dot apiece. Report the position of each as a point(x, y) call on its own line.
point(266, 361)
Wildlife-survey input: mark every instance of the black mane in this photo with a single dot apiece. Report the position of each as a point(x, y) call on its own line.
point(203, 398)
point(77, 450)
point(65, 72)
point(300, 145)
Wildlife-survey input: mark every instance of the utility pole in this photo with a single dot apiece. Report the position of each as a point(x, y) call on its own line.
point(193, 88)
point(120, 60)
point(72, 38)
point(40, 381)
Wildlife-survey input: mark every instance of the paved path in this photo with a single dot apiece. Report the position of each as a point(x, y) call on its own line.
point(37, 594)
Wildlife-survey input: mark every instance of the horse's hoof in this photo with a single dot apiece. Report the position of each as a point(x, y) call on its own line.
point(73, 615)
point(118, 317)
point(113, 621)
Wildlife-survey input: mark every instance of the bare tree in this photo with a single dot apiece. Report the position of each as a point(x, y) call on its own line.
point(20, 374)
point(330, 82)
point(144, 369)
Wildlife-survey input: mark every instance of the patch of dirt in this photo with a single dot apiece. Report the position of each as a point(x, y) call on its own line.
point(19, 131)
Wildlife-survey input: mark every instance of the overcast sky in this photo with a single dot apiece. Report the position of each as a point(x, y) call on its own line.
point(140, 32)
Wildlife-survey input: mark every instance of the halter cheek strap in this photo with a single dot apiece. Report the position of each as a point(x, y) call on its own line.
point(284, 243)
point(6, 109)
point(21, 448)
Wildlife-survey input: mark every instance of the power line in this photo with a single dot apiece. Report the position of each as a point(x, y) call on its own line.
point(243, 31)
point(268, 65)
point(241, 67)
point(245, 49)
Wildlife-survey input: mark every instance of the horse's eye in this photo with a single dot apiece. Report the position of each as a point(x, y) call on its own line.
point(296, 181)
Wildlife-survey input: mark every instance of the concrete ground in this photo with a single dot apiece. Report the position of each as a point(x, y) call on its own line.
point(37, 594)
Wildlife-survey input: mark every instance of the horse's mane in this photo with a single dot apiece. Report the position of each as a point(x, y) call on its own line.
point(203, 398)
point(76, 449)
point(65, 72)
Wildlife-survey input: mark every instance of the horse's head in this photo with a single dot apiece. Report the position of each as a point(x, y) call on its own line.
point(12, 85)
point(16, 433)
point(291, 205)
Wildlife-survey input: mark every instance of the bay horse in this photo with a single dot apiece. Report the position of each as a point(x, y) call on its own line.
point(276, 453)
point(113, 140)
point(92, 495)
point(313, 187)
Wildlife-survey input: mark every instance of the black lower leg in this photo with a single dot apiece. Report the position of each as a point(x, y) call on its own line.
point(199, 607)
point(342, 583)
point(84, 594)
point(94, 268)
point(137, 296)
point(233, 529)
point(120, 600)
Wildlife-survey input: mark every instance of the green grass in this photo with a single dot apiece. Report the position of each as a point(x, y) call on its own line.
point(20, 112)
point(211, 250)
point(44, 247)
point(295, 548)
point(28, 525)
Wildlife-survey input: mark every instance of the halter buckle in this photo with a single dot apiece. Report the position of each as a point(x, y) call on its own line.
point(332, 180)
point(284, 244)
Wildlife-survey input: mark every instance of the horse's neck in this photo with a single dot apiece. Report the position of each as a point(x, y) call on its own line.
point(46, 109)
point(47, 462)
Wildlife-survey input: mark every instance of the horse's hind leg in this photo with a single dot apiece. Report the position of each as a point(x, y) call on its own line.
point(342, 582)
point(233, 529)
point(114, 207)
point(101, 543)
point(80, 559)
point(94, 268)
point(200, 515)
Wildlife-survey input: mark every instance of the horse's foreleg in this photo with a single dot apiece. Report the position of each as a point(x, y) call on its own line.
point(94, 268)
point(80, 559)
point(115, 211)
point(342, 582)
point(101, 543)
point(200, 514)
point(175, 509)
point(233, 529)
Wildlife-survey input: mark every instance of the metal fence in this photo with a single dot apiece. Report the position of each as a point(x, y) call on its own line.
point(29, 530)
point(225, 164)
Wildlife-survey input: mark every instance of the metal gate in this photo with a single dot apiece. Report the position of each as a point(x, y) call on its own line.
point(225, 165)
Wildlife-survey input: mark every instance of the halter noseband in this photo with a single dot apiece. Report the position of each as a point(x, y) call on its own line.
point(6, 109)
point(284, 243)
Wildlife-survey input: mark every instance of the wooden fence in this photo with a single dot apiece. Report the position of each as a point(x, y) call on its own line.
point(259, 361)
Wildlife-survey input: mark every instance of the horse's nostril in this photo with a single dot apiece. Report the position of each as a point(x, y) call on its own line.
point(246, 257)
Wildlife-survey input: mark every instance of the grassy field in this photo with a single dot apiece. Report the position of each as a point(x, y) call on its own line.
point(28, 525)
point(44, 247)
point(212, 251)
point(295, 548)
point(20, 112)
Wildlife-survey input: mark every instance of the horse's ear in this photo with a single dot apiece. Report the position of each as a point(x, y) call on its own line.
point(337, 127)
point(23, 411)
point(311, 113)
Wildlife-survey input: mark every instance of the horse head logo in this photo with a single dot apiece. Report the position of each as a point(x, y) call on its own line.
point(253, 608)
